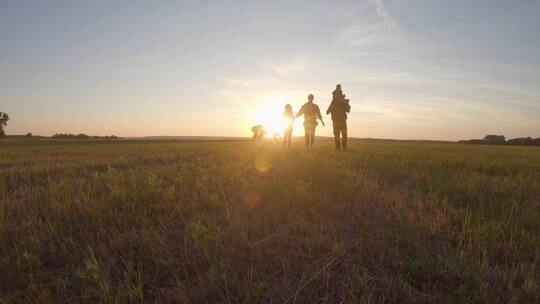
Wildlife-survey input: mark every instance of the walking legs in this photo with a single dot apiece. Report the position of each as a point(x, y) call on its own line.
point(337, 142)
point(287, 137)
point(344, 138)
point(309, 132)
point(337, 129)
point(340, 129)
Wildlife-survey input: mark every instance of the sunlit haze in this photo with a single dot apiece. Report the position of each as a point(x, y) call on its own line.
point(412, 69)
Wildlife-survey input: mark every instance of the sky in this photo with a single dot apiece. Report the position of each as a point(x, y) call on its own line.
point(412, 69)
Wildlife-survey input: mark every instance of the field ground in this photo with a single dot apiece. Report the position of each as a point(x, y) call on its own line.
point(238, 221)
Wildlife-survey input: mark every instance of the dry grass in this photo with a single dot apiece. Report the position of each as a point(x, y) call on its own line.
point(184, 222)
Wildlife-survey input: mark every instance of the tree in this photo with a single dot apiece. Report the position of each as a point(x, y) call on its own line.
point(259, 132)
point(495, 140)
point(4, 118)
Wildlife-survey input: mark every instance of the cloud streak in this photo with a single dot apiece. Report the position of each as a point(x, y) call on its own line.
point(298, 64)
point(383, 13)
point(361, 33)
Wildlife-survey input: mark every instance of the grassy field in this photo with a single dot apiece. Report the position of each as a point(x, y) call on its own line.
point(246, 222)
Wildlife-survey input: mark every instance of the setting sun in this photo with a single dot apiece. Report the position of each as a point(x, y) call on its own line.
point(270, 114)
point(270, 117)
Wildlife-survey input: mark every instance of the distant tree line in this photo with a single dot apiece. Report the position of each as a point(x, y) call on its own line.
point(80, 136)
point(4, 118)
point(501, 140)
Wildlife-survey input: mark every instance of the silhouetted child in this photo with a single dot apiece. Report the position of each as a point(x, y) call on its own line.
point(288, 116)
point(338, 94)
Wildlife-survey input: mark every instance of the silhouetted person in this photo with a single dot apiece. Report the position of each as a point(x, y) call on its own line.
point(338, 93)
point(311, 112)
point(339, 107)
point(289, 118)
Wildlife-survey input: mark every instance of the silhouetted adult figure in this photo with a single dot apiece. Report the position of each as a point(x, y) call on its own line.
point(311, 112)
point(339, 107)
point(288, 116)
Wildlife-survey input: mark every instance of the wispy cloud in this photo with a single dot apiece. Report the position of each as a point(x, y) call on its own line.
point(383, 13)
point(357, 34)
point(360, 33)
point(272, 75)
point(298, 64)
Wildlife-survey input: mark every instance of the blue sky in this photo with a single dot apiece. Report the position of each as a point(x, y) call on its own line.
point(411, 68)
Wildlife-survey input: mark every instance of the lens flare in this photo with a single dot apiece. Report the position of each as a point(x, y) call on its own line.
point(262, 163)
point(252, 199)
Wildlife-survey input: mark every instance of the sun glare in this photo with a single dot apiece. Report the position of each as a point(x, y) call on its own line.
point(269, 114)
point(270, 117)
